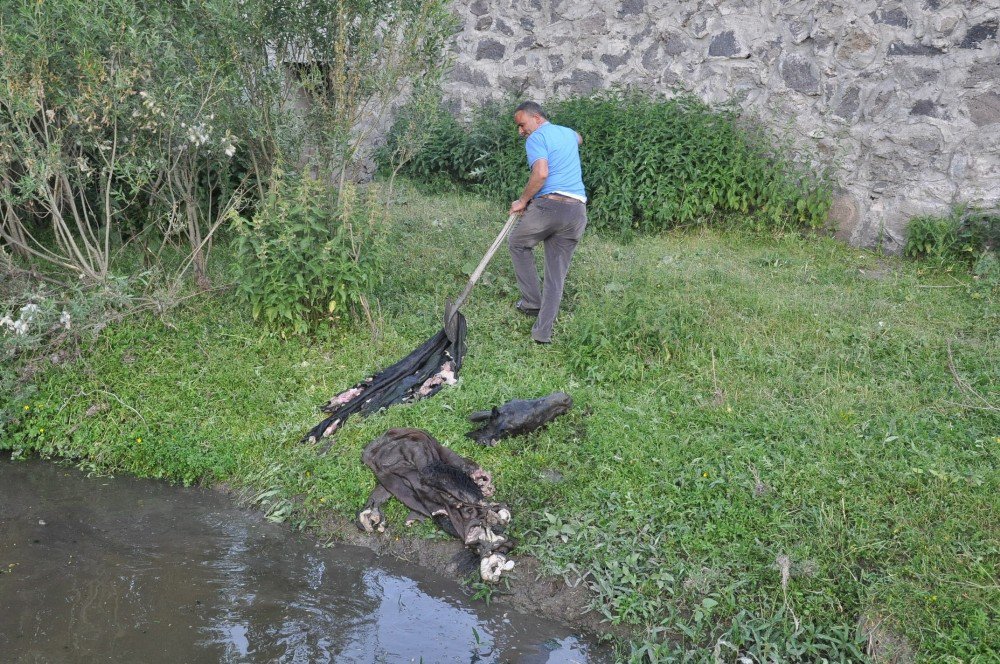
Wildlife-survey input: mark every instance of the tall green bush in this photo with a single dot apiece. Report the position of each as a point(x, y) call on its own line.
point(301, 259)
point(649, 163)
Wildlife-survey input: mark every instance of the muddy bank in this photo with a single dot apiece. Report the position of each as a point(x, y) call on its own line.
point(122, 570)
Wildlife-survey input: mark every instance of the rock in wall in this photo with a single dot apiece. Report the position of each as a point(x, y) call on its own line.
point(902, 97)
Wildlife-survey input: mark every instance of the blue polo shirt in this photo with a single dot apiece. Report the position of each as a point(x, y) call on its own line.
point(558, 146)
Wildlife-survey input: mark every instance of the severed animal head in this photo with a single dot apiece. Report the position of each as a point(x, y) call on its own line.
point(518, 417)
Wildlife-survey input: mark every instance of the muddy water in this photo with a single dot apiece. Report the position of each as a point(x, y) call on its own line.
point(126, 570)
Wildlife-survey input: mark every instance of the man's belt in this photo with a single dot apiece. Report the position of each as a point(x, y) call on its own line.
point(561, 198)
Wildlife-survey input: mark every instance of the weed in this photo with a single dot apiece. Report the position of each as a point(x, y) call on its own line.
point(303, 260)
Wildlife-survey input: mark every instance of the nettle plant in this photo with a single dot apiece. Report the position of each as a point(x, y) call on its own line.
point(649, 163)
point(302, 259)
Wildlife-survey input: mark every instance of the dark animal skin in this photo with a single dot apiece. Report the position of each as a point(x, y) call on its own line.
point(434, 481)
point(518, 416)
point(408, 379)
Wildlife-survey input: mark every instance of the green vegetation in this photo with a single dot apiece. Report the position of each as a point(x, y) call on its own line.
point(773, 437)
point(965, 239)
point(649, 164)
point(154, 123)
point(294, 268)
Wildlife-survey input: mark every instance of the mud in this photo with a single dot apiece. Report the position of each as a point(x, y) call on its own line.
point(127, 570)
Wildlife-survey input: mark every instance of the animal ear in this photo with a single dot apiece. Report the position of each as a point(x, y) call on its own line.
point(480, 416)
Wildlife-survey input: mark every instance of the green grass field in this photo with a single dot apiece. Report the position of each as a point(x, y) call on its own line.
point(769, 441)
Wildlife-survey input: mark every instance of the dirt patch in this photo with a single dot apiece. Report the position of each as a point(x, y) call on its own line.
point(881, 271)
point(884, 645)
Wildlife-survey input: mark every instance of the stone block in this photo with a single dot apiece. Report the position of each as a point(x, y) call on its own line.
point(631, 8)
point(979, 33)
point(479, 7)
point(800, 74)
point(581, 82)
point(984, 109)
point(463, 73)
point(858, 48)
point(484, 23)
point(674, 43)
point(898, 48)
point(503, 28)
point(613, 62)
point(527, 23)
point(925, 107)
point(895, 16)
point(849, 104)
point(944, 22)
point(490, 49)
point(844, 215)
point(726, 45)
point(801, 28)
point(651, 57)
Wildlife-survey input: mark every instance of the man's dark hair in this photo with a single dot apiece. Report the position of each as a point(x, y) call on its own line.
point(531, 108)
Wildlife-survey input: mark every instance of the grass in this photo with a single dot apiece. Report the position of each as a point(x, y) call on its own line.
point(767, 442)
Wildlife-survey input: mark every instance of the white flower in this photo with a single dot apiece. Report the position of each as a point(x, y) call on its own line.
point(50, 115)
point(64, 319)
point(230, 151)
point(28, 311)
point(20, 327)
point(81, 163)
point(7, 322)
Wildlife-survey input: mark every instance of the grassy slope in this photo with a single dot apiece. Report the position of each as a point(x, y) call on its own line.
point(798, 406)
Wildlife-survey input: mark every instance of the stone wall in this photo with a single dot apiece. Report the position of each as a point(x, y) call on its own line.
point(901, 96)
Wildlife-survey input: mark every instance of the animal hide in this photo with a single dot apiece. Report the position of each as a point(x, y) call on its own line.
point(517, 417)
point(419, 375)
point(434, 481)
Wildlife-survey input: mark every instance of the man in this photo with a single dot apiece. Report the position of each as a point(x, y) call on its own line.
point(553, 210)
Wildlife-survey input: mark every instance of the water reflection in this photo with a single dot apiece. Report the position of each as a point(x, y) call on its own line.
point(126, 570)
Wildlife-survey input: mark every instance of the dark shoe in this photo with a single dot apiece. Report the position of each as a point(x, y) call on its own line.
point(542, 343)
point(527, 311)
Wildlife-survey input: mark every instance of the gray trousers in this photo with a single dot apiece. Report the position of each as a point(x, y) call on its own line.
point(560, 226)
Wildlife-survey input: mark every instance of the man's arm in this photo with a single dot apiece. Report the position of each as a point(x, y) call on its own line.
point(579, 138)
point(539, 172)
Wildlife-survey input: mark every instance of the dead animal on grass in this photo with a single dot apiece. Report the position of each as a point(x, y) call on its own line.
point(517, 417)
point(433, 481)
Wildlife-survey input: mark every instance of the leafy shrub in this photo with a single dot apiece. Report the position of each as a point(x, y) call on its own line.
point(648, 163)
point(969, 239)
point(300, 260)
point(961, 236)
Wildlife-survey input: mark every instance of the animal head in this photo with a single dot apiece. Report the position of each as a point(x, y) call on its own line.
point(559, 402)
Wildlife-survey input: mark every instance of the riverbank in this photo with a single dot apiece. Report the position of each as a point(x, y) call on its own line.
point(769, 446)
point(84, 562)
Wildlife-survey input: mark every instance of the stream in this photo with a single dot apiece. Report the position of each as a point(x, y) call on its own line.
point(119, 569)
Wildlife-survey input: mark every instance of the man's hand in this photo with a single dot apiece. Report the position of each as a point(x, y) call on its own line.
point(517, 207)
